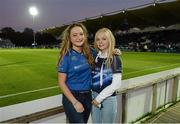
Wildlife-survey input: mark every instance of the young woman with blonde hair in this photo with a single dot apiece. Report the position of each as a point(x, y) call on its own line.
point(106, 78)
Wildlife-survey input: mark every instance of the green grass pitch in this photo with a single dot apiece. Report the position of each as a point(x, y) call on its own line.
point(29, 74)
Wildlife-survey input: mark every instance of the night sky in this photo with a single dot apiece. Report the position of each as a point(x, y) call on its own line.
point(15, 14)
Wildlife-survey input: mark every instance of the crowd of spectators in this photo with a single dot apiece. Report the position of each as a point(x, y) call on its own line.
point(159, 41)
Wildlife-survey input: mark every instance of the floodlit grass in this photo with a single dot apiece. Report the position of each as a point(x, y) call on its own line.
point(142, 63)
point(24, 71)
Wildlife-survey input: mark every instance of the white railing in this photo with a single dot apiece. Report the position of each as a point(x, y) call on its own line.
point(137, 97)
point(145, 95)
point(28, 108)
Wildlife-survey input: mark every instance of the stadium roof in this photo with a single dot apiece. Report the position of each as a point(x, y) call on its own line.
point(159, 14)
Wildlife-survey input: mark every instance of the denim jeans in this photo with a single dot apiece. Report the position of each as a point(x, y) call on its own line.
point(74, 116)
point(107, 113)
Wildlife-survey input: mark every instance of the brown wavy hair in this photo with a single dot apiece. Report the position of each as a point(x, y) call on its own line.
point(66, 44)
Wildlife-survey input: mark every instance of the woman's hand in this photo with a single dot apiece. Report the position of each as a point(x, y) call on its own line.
point(117, 52)
point(78, 106)
point(95, 103)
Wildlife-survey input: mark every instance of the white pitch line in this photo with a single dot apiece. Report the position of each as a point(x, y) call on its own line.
point(27, 64)
point(26, 92)
point(10, 95)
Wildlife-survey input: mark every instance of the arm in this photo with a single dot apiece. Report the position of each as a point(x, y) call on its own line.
point(62, 83)
point(116, 82)
point(109, 90)
point(93, 52)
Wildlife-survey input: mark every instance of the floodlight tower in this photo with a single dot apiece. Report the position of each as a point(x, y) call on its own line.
point(34, 12)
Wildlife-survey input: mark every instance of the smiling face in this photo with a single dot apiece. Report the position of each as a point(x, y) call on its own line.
point(77, 37)
point(102, 42)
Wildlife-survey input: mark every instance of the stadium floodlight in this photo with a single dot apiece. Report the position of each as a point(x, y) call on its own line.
point(34, 12)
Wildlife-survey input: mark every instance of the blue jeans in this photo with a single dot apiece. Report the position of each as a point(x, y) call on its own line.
point(107, 113)
point(74, 116)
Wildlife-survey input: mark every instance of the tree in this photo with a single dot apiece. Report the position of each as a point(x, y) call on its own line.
point(27, 37)
point(8, 33)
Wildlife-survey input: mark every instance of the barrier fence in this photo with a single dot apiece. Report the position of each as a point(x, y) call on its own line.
point(138, 98)
point(147, 98)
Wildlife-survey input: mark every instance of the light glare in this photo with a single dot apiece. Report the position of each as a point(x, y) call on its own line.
point(33, 11)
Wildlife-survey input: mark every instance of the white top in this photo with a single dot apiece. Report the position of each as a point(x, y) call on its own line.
point(109, 90)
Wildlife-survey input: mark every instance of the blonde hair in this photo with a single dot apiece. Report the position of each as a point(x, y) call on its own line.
point(66, 44)
point(110, 38)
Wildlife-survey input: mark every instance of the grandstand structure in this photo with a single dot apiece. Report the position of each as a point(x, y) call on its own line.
point(160, 13)
point(154, 14)
point(157, 22)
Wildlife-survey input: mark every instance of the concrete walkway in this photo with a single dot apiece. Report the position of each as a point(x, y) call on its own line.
point(58, 118)
point(170, 115)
